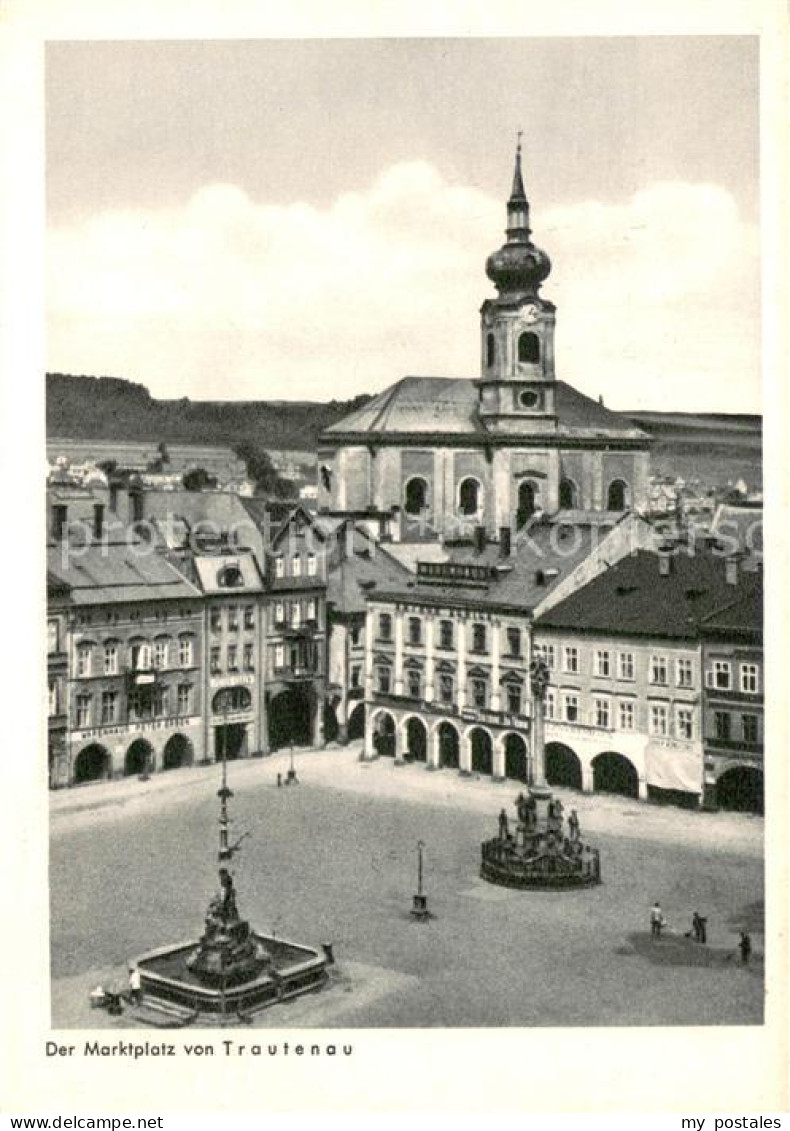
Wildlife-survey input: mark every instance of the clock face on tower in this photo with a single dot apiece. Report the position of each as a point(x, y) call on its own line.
point(529, 313)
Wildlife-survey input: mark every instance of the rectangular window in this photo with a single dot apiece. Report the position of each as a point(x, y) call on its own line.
point(684, 723)
point(479, 693)
point(312, 565)
point(215, 617)
point(216, 660)
point(356, 633)
point(570, 657)
point(571, 707)
point(84, 652)
point(161, 701)
point(233, 658)
point(602, 712)
point(83, 711)
point(514, 642)
point(445, 634)
point(625, 665)
point(160, 654)
point(279, 613)
point(547, 654)
point(279, 566)
point(514, 699)
point(54, 697)
point(311, 610)
point(383, 674)
point(415, 630)
point(414, 683)
point(296, 567)
point(658, 670)
point(109, 707)
point(478, 638)
point(721, 724)
point(551, 704)
point(111, 659)
point(659, 720)
point(185, 699)
point(249, 658)
point(750, 728)
point(627, 715)
point(750, 679)
point(279, 656)
point(446, 692)
point(720, 675)
point(52, 636)
point(602, 664)
point(385, 626)
point(185, 651)
point(296, 614)
point(684, 673)
point(356, 675)
point(249, 616)
point(233, 618)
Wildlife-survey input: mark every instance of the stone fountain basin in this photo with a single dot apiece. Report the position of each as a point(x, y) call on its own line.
point(294, 969)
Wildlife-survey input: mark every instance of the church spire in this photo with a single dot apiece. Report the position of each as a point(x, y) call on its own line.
point(518, 205)
point(517, 192)
point(519, 267)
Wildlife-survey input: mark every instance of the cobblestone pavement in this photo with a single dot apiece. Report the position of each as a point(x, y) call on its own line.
point(334, 859)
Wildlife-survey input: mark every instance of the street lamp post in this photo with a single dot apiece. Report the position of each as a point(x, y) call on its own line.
point(420, 903)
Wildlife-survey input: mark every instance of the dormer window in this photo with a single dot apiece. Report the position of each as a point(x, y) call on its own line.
point(230, 577)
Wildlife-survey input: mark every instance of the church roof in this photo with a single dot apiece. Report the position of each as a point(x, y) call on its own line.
point(448, 406)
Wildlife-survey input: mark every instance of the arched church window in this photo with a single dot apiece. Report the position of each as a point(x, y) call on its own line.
point(526, 503)
point(568, 497)
point(528, 347)
point(617, 497)
point(469, 494)
point(490, 349)
point(416, 499)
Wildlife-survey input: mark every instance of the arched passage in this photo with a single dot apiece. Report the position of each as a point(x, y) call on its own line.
point(526, 503)
point(613, 773)
point(290, 713)
point(92, 764)
point(741, 789)
point(482, 751)
point(416, 496)
point(449, 746)
point(139, 757)
point(384, 734)
point(416, 740)
point(563, 766)
point(515, 757)
point(178, 752)
point(331, 727)
point(617, 496)
point(356, 723)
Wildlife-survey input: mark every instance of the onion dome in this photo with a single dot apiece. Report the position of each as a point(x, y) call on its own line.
point(519, 267)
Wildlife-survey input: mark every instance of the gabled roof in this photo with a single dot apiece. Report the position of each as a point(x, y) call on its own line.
point(744, 615)
point(633, 598)
point(445, 405)
point(364, 567)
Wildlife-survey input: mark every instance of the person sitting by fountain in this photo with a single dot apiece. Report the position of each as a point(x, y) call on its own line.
point(503, 826)
point(573, 825)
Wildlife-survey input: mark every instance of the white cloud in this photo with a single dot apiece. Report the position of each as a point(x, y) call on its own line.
point(225, 296)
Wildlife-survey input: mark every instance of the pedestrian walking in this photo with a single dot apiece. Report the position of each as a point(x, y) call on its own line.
point(135, 986)
point(503, 829)
point(657, 920)
point(745, 947)
point(279, 781)
point(699, 925)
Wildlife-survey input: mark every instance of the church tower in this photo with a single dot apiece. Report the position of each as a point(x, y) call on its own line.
point(517, 383)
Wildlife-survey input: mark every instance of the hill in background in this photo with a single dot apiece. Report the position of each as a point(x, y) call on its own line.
point(712, 447)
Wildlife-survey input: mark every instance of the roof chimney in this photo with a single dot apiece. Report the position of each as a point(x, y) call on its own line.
point(480, 539)
point(664, 564)
point(98, 520)
point(505, 542)
point(731, 570)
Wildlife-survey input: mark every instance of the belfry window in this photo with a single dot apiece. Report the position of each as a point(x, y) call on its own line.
point(528, 347)
point(568, 501)
point(617, 497)
point(526, 503)
point(490, 349)
point(469, 497)
point(416, 496)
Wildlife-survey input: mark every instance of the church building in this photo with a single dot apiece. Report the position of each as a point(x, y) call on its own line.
point(491, 452)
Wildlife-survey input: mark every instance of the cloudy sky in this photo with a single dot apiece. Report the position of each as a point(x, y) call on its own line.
point(310, 219)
